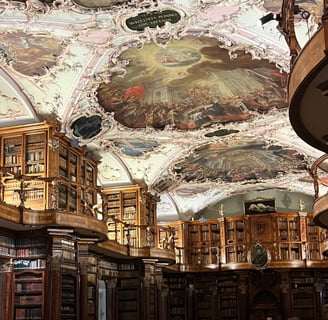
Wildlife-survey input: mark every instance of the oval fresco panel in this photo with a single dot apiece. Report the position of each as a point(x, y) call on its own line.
point(248, 162)
point(135, 147)
point(29, 54)
point(190, 84)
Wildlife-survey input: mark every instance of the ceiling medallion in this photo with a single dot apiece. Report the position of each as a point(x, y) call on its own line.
point(89, 125)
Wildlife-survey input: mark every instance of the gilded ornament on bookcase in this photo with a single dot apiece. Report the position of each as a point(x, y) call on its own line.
point(53, 143)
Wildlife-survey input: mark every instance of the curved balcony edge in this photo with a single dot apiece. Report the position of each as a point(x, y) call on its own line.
point(162, 255)
point(320, 211)
point(312, 53)
point(308, 93)
point(12, 216)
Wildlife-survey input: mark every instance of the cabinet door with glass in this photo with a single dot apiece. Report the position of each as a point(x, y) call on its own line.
point(23, 165)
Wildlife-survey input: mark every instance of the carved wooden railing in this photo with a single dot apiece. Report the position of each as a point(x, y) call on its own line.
point(319, 173)
point(149, 236)
point(287, 28)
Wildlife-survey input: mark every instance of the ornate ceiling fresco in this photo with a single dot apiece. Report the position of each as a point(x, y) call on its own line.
point(188, 97)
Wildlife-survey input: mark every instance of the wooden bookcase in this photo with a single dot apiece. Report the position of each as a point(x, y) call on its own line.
point(129, 284)
point(203, 242)
point(177, 297)
point(205, 298)
point(228, 298)
point(24, 155)
point(92, 287)
point(69, 296)
point(289, 237)
point(31, 252)
point(29, 273)
point(7, 246)
point(303, 294)
point(236, 235)
point(63, 274)
point(227, 242)
point(29, 295)
point(41, 170)
point(130, 210)
point(312, 249)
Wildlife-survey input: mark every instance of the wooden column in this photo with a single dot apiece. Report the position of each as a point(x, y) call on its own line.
point(243, 290)
point(7, 286)
point(285, 295)
point(83, 291)
point(111, 286)
point(53, 290)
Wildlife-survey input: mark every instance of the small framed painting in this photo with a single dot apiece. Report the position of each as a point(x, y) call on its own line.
point(260, 206)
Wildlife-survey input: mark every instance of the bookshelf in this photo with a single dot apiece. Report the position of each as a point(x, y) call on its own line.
point(7, 247)
point(228, 298)
point(303, 294)
point(41, 169)
point(129, 290)
point(205, 298)
point(30, 253)
point(68, 297)
point(313, 248)
point(177, 297)
point(29, 295)
point(203, 242)
point(131, 211)
point(24, 155)
point(236, 236)
point(63, 245)
point(92, 269)
point(77, 190)
point(289, 237)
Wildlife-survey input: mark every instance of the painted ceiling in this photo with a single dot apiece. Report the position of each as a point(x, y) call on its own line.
point(188, 97)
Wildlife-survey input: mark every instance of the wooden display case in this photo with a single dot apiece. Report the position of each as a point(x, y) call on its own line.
point(131, 210)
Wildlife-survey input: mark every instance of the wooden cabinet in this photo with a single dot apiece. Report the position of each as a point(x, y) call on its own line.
point(24, 155)
point(30, 252)
point(203, 242)
point(205, 297)
point(29, 295)
point(228, 298)
point(131, 209)
point(303, 295)
point(289, 237)
point(236, 236)
point(286, 239)
point(312, 248)
point(177, 297)
point(77, 192)
point(68, 296)
point(41, 169)
point(129, 291)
